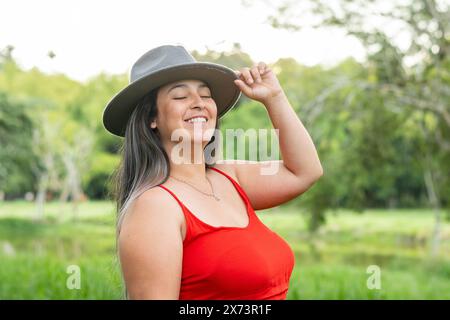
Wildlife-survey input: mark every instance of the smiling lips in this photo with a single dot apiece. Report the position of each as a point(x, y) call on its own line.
point(197, 119)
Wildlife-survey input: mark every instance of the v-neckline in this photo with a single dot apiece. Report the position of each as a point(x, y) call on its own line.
point(237, 188)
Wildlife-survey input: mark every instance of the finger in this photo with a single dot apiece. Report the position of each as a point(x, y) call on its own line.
point(255, 73)
point(261, 66)
point(241, 76)
point(247, 75)
point(266, 71)
point(243, 86)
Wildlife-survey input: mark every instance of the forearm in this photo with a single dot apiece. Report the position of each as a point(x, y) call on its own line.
point(296, 146)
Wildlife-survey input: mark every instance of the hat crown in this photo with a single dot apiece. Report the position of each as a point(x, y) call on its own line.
point(159, 58)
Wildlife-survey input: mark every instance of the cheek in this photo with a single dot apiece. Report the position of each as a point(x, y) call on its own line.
point(213, 110)
point(173, 112)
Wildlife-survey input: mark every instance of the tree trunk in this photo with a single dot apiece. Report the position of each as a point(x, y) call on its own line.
point(65, 192)
point(41, 196)
point(73, 183)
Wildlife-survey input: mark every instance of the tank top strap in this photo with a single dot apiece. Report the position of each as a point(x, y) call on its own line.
point(193, 228)
point(173, 195)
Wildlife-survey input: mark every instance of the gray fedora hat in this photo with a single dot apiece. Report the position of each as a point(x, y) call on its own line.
point(162, 65)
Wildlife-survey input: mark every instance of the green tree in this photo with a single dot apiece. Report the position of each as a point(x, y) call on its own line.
point(412, 81)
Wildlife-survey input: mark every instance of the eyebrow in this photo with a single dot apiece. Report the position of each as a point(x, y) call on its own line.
point(202, 85)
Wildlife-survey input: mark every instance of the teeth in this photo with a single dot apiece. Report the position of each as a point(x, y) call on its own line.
point(197, 120)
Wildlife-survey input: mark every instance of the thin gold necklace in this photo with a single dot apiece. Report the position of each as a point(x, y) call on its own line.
point(207, 194)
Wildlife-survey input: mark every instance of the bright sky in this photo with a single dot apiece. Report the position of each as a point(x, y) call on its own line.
point(90, 36)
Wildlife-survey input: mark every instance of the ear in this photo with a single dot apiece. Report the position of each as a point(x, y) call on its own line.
point(153, 124)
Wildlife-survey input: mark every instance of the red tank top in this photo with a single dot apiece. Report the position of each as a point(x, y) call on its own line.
point(233, 263)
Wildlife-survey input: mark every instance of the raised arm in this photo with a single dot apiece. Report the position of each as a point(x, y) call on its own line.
point(300, 167)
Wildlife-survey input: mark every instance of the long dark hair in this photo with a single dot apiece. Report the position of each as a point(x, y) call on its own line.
point(144, 162)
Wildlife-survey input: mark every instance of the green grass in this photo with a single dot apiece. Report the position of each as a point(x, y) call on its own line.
point(35, 255)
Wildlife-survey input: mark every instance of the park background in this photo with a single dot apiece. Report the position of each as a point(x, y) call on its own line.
point(380, 122)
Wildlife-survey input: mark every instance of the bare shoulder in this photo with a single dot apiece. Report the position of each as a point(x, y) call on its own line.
point(236, 168)
point(227, 166)
point(153, 205)
point(151, 247)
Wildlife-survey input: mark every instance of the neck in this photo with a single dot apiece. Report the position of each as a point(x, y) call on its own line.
point(187, 166)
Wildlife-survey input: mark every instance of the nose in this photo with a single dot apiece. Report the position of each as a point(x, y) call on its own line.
point(198, 102)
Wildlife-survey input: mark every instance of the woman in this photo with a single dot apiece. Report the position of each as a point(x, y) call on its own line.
point(186, 228)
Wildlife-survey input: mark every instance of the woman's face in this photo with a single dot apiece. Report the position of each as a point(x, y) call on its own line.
point(179, 101)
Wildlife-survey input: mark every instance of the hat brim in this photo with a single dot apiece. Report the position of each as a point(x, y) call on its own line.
point(219, 78)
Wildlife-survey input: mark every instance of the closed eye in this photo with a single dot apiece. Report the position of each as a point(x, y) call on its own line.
point(185, 97)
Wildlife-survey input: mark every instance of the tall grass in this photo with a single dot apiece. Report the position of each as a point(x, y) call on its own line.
point(35, 255)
